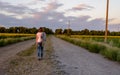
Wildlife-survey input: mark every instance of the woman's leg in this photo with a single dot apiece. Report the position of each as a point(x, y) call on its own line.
point(42, 49)
point(39, 50)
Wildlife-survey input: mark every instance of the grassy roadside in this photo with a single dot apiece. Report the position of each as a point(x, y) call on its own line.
point(110, 52)
point(7, 41)
point(14, 35)
point(10, 38)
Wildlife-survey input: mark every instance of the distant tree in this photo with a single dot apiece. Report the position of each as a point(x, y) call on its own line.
point(47, 30)
point(22, 30)
point(2, 29)
point(85, 32)
point(65, 31)
point(115, 33)
point(92, 32)
point(31, 30)
point(58, 31)
point(12, 30)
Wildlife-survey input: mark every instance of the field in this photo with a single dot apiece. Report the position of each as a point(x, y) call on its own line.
point(11, 35)
point(113, 41)
point(96, 44)
point(10, 38)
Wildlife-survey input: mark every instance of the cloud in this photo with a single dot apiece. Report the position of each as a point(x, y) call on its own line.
point(16, 11)
point(38, 18)
point(58, 21)
point(37, 15)
point(82, 7)
point(7, 20)
point(2, 25)
point(34, 2)
point(113, 21)
point(48, 17)
point(39, 0)
point(52, 6)
point(114, 27)
point(48, 10)
point(13, 8)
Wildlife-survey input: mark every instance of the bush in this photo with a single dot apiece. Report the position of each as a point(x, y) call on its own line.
point(78, 43)
point(7, 41)
point(93, 48)
point(118, 56)
point(86, 44)
point(1, 42)
point(96, 48)
point(110, 53)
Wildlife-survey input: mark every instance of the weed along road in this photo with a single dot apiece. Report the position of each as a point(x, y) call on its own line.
point(78, 61)
point(8, 51)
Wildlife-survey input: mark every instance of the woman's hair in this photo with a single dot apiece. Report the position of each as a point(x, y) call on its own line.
point(40, 29)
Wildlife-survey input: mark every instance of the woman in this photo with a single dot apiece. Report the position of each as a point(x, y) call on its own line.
point(39, 41)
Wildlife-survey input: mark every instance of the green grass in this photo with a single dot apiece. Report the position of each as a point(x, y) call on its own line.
point(118, 56)
point(10, 38)
point(112, 40)
point(14, 35)
point(111, 53)
point(7, 41)
point(96, 48)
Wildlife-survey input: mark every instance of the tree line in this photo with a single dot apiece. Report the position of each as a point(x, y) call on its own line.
point(23, 30)
point(57, 31)
point(85, 32)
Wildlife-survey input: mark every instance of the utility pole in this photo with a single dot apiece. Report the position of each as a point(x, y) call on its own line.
point(106, 29)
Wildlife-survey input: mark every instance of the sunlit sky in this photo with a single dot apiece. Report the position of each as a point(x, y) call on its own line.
point(54, 14)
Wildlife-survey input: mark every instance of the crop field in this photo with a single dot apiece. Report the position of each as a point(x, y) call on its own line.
point(9, 38)
point(112, 40)
point(14, 35)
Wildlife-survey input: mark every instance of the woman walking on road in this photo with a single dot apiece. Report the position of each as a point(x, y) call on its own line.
point(40, 38)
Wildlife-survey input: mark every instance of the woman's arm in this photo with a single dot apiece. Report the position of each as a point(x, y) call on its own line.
point(36, 39)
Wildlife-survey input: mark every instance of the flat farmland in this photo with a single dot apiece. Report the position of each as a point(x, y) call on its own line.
point(10, 38)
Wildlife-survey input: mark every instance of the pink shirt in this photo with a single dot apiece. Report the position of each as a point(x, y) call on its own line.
point(39, 35)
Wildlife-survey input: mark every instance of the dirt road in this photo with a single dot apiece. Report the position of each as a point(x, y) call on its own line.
point(8, 51)
point(78, 61)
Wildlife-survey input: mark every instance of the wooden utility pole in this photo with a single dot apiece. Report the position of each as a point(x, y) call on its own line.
point(106, 28)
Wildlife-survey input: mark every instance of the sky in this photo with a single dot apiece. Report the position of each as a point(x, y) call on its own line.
point(82, 14)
